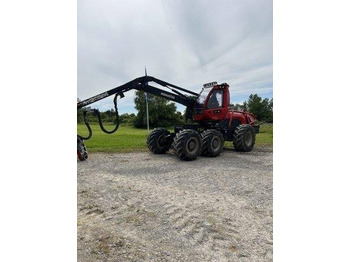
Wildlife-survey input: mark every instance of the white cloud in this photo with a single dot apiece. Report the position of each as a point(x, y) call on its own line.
point(186, 43)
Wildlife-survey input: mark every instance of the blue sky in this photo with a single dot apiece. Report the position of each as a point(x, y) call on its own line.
point(186, 43)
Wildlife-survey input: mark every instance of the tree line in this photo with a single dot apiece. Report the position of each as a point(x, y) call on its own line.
point(164, 113)
point(261, 108)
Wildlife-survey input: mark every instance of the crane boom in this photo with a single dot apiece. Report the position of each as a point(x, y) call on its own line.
point(142, 83)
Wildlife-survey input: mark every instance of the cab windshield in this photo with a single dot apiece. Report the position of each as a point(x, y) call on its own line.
point(202, 96)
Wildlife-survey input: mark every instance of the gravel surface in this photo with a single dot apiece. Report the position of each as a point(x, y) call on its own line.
point(146, 207)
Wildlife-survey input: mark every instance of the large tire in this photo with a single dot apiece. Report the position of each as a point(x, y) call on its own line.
point(158, 141)
point(244, 138)
point(213, 143)
point(82, 151)
point(187, 144)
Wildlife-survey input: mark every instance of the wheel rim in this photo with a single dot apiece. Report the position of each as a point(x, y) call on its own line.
point(192, 145)
point(82, 152)
point(248, 138)
point(215, 143)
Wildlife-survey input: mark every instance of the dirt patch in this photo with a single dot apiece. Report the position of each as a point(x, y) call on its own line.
point(145, 207)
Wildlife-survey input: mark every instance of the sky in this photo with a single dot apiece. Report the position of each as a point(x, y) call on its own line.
point(186, 43)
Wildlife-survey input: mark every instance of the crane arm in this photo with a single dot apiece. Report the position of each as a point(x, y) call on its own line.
point(141, 83)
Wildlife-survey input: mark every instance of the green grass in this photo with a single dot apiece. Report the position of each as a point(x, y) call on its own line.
point(129, 139)
point(125, 139)
point(265, 136)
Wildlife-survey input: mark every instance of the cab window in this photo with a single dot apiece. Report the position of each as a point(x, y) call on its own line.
point(215, 99)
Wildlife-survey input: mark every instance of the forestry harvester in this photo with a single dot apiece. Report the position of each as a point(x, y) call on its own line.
point(213, 121)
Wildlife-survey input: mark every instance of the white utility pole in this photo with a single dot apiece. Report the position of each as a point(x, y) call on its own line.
point(147, 98)
point(147, 95)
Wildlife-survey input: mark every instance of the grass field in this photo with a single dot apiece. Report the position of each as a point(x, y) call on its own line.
point(129, 139)
point(265, 136)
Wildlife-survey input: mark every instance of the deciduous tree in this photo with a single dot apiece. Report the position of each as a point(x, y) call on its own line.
point(261, 108)
point(162, 112)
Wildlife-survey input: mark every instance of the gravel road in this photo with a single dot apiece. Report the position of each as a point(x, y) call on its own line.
point(146, 207)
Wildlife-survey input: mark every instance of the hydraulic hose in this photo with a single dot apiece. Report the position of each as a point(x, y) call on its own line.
point(116, 115)
point(88, 127)
point(97, 113)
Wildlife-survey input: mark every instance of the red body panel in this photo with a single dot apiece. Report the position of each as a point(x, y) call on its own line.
point(221, 111)
point(243, 117)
